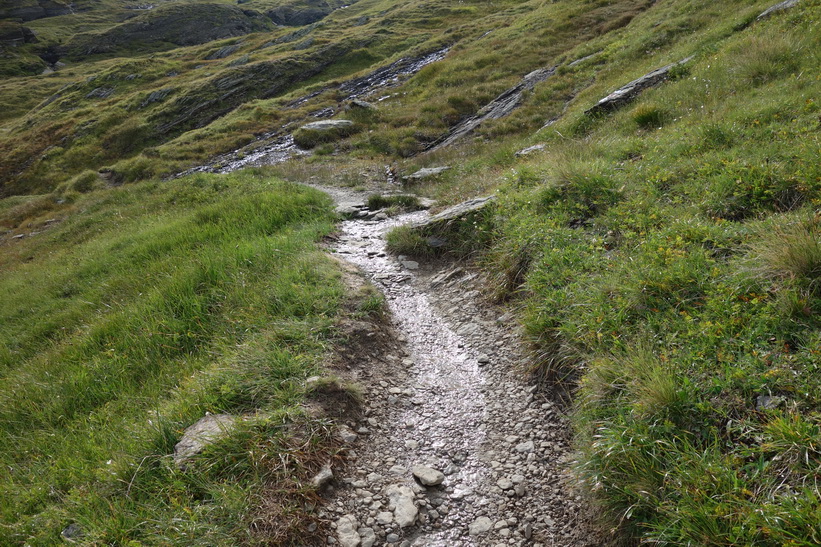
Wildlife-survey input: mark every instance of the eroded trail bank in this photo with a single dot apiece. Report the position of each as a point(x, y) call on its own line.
point(456, 447)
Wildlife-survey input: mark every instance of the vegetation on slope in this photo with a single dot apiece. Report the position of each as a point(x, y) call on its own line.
point(665, 256)
point(123, 323)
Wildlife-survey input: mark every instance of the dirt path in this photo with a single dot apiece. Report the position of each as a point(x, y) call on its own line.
point(456, 447)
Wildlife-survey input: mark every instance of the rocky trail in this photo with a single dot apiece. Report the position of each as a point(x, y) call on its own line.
point(456, 446)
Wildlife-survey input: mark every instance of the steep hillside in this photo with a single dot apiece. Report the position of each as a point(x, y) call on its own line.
point(656, 231)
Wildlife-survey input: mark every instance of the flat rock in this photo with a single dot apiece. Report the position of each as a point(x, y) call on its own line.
point(402, 498)
point(327, 125)
point(480, 526)
point(530, 150)
point(206, 431)
point(427, 173)
point(781, 6)
point(527, 446)
point(428, 475)
point(346, 532)
point(455, 212)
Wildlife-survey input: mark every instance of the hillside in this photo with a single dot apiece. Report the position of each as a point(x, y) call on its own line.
point(655, 233)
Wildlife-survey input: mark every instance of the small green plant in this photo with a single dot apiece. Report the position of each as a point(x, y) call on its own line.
point(650, 116)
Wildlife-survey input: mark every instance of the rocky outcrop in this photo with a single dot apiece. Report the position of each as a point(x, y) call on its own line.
point(181, 25)
point(627, 93)
point(499, 107)
point(454, 213)
point(426, 173)
point(29, 10)
point(15, 34)
point(781, 6)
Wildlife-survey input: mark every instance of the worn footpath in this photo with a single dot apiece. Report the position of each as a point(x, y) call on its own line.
point(456, 446)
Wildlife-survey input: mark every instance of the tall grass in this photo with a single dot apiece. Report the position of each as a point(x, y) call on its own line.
point(144, 309)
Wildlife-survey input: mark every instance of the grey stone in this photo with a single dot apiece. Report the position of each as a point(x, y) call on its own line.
point(630, 91)
point(327, 125)
point(368, 537)
point(504, 483)
point(527, 446)
point(427, 172)
point(346, 434)
point(402, 498)
point(392, 538)
point(346, 532)
point(781, 6)
point(530, 150)
point(480, 526)
point(428, 475)
point(499, 107)
point(455, 212)
point(410, 264)
point(324, 476)
point(206, 431)
point(768, 402)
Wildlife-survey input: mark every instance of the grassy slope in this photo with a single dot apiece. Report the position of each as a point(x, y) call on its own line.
point(671, 259)
point(142, 310)
point(665, 256)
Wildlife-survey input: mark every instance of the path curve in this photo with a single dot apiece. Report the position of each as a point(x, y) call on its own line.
point(457, 404)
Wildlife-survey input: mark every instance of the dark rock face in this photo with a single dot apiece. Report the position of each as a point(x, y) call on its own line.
point(300, 13)
point(14, 34)
point(181, 25)
point(29, 10)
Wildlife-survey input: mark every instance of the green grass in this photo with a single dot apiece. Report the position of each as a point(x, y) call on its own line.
point(144, 308)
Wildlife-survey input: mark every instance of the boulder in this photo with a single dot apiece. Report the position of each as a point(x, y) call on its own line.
point(628, 92)
point(456, 212)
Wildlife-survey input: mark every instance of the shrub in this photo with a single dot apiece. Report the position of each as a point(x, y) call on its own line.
point(650, 116)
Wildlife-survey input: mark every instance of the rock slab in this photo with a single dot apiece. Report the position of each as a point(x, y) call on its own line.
point(206, 431)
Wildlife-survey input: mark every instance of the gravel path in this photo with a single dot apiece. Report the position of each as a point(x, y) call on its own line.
point(456, 447)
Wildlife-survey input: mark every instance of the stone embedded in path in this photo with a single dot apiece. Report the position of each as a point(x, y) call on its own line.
point(402, 499)
point(428, 475)
point(527, 446)
point(346, 532)
point(410, 264)
point(206, 431)
point(346, 434)
point(457, 211)
point(504, 483)
point(368, 537)
point(480, 526)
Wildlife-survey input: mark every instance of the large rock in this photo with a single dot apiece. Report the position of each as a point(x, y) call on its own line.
point(499, 107)
point(208, 430)
point(426, 173)
point(14, 34)
point(781, 6)
point(456, 212)
point(627, 93)
point(327, 125)
point(402, 499)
